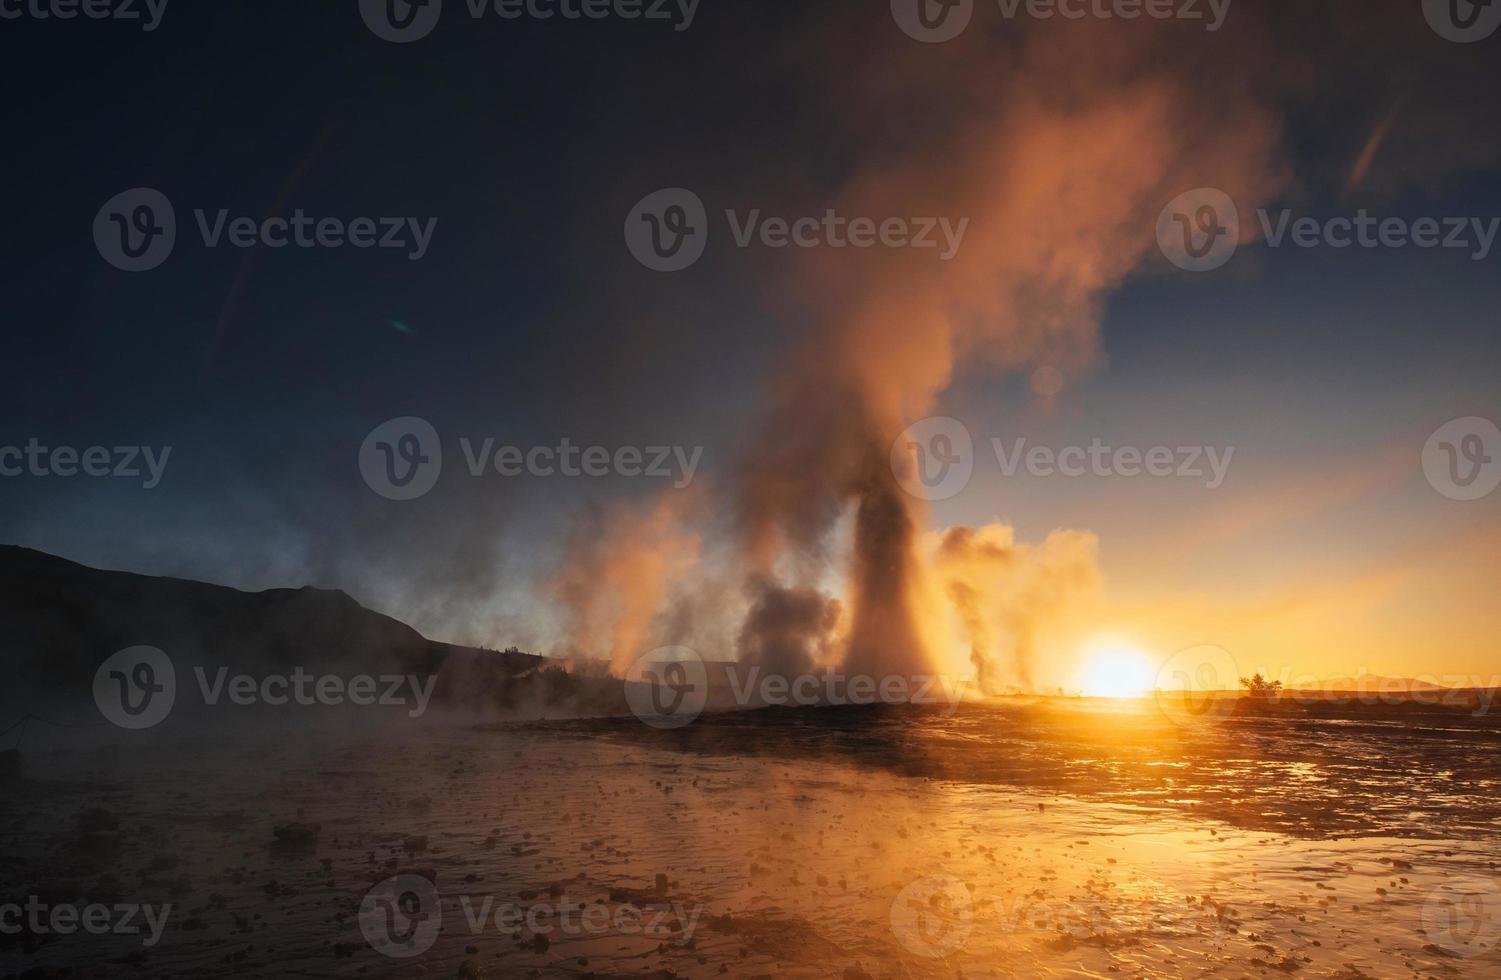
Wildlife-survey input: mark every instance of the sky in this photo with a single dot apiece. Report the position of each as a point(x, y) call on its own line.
point(525, 146)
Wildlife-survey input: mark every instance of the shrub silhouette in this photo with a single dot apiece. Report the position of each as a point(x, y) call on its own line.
point(1259, 687)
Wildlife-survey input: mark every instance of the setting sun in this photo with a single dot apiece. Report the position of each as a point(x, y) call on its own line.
point(1118, 671)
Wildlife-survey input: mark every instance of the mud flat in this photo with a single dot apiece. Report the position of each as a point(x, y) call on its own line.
point(575, 850)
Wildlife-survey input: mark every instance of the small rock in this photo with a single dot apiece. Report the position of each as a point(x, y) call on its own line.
point(297, 833)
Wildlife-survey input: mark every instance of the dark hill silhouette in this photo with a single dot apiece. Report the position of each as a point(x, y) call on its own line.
point(59, 620)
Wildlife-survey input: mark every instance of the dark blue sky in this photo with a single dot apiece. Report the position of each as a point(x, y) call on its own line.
point(527, 321)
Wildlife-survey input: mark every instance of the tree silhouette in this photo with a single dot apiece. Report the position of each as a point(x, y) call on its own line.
point(1259, 687)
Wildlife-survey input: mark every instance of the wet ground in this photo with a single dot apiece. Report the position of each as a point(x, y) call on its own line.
point(994, 842)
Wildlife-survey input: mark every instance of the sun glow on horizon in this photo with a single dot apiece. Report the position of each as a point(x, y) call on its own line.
point(1118, 670)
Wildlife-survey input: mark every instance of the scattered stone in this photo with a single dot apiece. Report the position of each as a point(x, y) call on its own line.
point(297, 834)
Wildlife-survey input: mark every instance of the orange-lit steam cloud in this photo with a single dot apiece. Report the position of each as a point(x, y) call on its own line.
point(1058, 145)
point(617, 574)
point(1060, 150)
point(1005, 593)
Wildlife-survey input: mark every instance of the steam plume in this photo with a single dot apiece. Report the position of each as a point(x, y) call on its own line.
point(1079, 138)
point(617, 574)
point(1005, 593)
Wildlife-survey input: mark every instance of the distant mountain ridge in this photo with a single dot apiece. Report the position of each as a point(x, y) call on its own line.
point(59, 620)
point(1372, 684)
